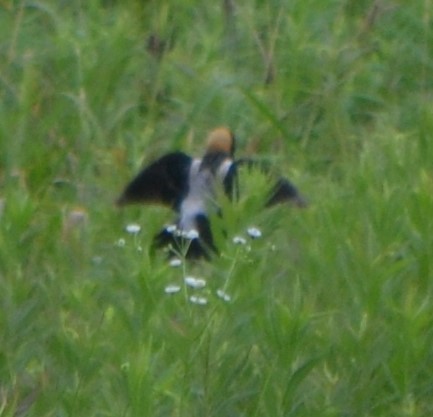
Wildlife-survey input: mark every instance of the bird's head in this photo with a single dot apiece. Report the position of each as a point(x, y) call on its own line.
point(221, 140)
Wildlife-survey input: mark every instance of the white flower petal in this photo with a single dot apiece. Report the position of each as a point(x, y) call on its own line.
point(175, 262)
point(239, 240)
point(198, 300)
point(223, 295)
point(191, 234)
point(172, 289)
point(254, 232)
point(171, 228)
point(133, 228)
point(195, 282)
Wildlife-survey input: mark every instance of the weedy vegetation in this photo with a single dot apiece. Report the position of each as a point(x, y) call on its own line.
point(329, 313)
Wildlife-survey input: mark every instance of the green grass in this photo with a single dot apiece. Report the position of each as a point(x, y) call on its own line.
point(331, 311)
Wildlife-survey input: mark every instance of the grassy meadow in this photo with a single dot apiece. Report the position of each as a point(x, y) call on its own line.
point(328, 314)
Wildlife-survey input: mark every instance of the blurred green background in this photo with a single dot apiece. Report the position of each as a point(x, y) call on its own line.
point(330, 312)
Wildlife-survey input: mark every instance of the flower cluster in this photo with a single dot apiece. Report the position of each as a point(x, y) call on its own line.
point(196, 285)
point(186, 234)
point(132, 229)
point(253, 232)
point(195, 289)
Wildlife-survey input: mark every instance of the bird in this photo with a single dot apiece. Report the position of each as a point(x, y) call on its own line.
point(189, 187)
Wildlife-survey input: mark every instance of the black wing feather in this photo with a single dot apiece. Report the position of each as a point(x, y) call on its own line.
point(165, 181)
point(282, 191)
point(285, 191)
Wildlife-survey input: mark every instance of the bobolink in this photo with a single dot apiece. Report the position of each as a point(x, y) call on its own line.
point(188, 185)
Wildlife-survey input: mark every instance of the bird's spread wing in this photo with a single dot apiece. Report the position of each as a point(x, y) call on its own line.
point(282, 191)
point(285, 191)
point(165, 181)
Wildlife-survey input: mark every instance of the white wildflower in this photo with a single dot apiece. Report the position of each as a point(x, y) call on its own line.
point(239, 240)
point(195, 282)
point(190, 234)
point(175, 262)
point(254, 232)
point(171, 228)
point(223, 295)
point(172, 289)
point(198, 300)
point(133, 228)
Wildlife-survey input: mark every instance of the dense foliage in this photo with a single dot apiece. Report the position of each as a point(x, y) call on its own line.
point(329, 313)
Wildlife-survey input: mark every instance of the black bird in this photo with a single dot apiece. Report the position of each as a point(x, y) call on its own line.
point(188, 185)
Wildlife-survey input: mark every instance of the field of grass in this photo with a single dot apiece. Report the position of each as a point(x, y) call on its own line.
point(330, 312)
